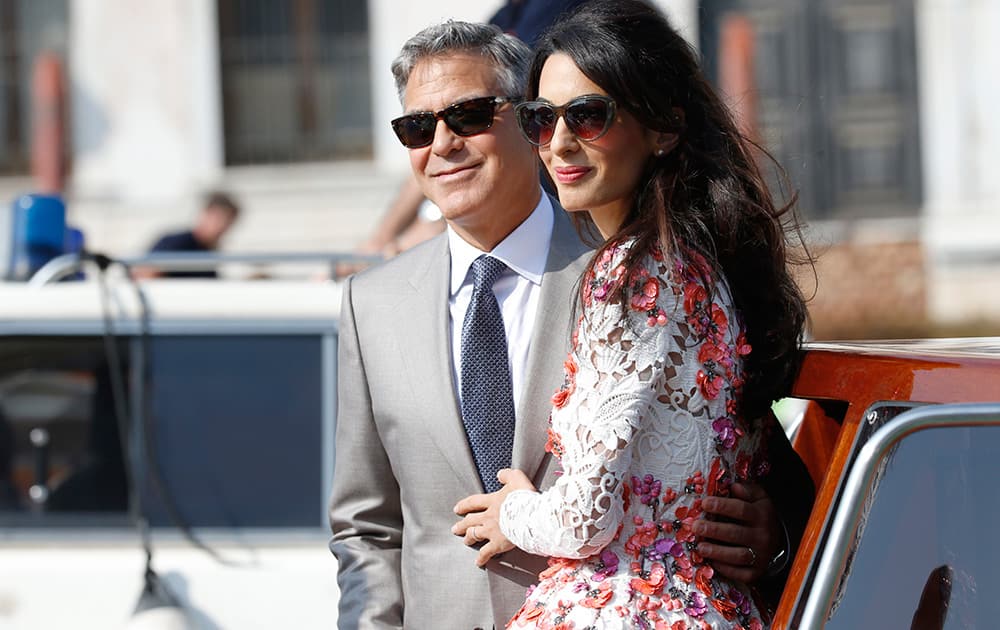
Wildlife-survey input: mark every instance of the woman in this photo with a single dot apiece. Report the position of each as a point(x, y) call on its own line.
point(689, 328)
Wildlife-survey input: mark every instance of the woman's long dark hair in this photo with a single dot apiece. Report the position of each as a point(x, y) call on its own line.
point(707, 196)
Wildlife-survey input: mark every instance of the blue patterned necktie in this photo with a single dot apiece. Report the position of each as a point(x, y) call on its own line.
point(487, 394)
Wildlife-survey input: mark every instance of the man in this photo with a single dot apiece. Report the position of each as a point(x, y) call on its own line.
point(403, 455)
point(218, 214)
point(410, 219)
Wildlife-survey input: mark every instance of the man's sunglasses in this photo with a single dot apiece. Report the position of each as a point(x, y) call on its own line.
point(587, 117)
point(466, 118)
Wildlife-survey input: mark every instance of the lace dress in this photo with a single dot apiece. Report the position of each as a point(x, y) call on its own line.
point(645, 425)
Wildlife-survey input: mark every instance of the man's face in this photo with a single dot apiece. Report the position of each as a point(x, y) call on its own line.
point(485, 184)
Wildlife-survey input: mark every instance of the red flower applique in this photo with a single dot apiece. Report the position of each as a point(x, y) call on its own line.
point(651, 582)
point(726, 607)
point(703, 579)
point(694, 296)
point(556, 565)
point(529, 612)
point(643, 537)
point(645, 298)
point(719, 320)
point(686, 516)
point(599, 597)
point(714, 352)
point(695, 484)
point(554, 444)
point(710, 384)
point(560, 398)
point(669, 496)
point(742, 347)
point(718, 483)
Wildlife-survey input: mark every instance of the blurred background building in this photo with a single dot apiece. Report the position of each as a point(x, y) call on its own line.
point(880, 110)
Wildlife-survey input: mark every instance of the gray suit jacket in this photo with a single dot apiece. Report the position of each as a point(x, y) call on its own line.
point(401, 450)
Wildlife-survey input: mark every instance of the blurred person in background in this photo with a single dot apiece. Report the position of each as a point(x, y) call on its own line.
point(218, 214)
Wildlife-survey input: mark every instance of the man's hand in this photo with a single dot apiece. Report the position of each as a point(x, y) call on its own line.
point(745, 534)
point(482, 516)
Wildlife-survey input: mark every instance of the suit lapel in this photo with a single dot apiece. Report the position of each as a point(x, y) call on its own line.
point(549, 342)
point(428, 353)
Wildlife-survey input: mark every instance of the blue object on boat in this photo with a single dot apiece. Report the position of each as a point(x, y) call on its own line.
point(39, 233)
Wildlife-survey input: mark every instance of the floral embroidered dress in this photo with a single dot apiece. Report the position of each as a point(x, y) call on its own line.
point(645, 425)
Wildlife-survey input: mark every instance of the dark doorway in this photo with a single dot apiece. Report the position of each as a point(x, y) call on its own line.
point(835, 98)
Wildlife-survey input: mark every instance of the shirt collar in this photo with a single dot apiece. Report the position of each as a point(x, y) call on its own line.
point(525, 250)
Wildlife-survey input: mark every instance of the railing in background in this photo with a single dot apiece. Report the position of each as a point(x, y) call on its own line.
point(67, 265)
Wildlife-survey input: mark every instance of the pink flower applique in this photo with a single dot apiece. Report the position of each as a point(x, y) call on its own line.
point(727, 432)
point(607, 565)
point(696, 606)
point(645, 298)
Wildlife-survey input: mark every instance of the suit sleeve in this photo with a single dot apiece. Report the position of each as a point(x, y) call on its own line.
point(791, 489)
point(365, 512)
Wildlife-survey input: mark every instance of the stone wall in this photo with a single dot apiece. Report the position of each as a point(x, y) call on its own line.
point(875, 290)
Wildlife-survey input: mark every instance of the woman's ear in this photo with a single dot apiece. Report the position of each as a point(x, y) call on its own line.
point(665, 141)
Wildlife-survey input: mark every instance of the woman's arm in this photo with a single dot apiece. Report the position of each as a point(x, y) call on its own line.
point(615, 373)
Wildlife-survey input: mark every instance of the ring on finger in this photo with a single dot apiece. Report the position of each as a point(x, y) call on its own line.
point(753, 557)
point(472, 530)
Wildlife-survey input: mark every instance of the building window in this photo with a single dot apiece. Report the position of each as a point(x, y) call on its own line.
point(27, 28)
point(295, 80)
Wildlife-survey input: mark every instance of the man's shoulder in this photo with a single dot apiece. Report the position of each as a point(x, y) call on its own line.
point(407, 267)
point(173, 241)
point(566, 240)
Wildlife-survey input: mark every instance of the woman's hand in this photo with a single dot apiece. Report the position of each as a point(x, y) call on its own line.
point(481, 512)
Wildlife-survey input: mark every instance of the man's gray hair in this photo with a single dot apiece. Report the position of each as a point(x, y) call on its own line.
point(510, 56)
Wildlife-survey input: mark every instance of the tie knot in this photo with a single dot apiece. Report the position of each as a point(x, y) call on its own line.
point(486, 270)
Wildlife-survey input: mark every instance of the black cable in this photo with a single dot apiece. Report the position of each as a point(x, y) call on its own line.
point(120, 411)
point(141, 417)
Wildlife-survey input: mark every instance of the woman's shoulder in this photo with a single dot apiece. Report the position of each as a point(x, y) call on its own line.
point(631, 277)
point(652, 283)
point(611, 260)
point(606, 275)
point(629, 264)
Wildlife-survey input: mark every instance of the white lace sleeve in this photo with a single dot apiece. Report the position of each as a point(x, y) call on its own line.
point(616, 369)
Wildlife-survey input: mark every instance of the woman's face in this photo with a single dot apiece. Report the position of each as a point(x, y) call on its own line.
point(600, 176)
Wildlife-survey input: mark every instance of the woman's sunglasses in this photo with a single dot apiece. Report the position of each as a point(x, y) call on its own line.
point(465, 119)
point(588, 118)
